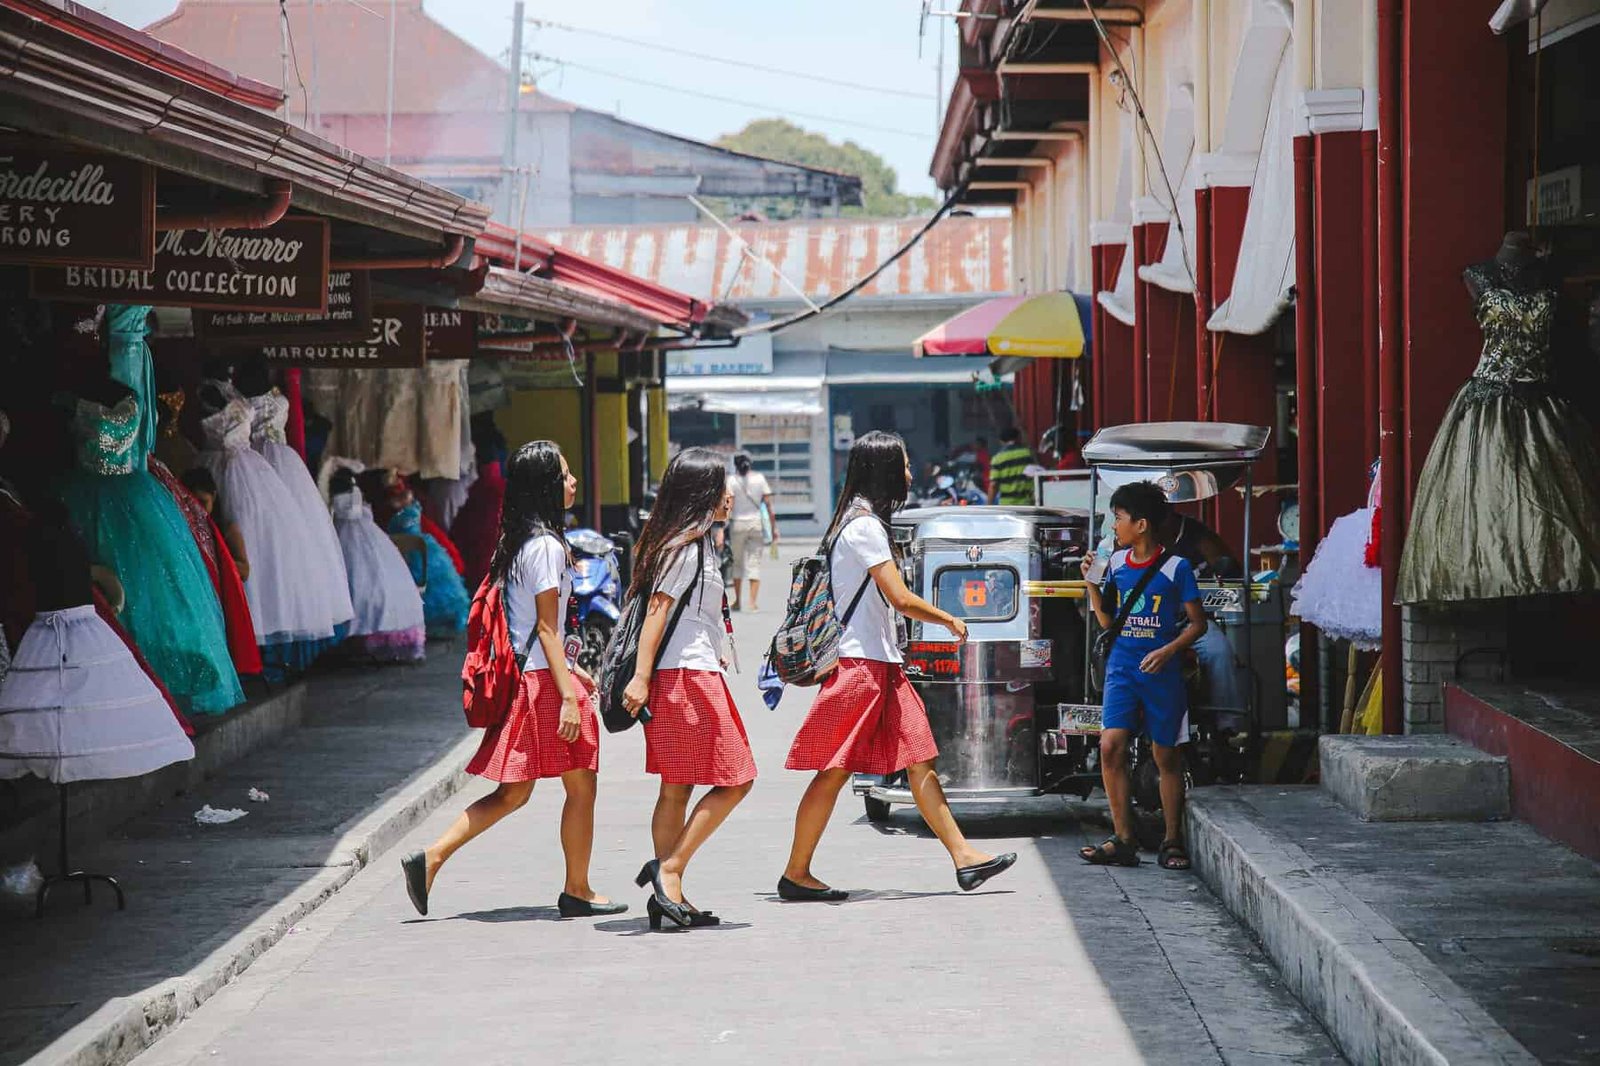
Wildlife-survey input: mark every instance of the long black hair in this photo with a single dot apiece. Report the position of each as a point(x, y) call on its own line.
point(535, 503)
point(876, 473)
point(690, 493)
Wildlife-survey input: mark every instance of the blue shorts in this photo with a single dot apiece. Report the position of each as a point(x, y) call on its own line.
point(1152, 703)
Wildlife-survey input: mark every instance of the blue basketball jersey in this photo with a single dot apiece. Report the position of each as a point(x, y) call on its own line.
point(1159, 616)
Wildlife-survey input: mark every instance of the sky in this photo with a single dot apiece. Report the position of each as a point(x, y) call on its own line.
point(868, 42)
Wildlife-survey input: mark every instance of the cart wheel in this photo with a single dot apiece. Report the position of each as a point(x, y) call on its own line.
point(877, 810)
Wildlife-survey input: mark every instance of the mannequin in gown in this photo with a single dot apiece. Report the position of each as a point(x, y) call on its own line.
point(269, 412)
point(132, 526)
point(292, 612)
point(1509, 500)
point(389, 623)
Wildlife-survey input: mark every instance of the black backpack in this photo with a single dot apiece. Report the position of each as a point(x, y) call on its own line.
point(621, 657)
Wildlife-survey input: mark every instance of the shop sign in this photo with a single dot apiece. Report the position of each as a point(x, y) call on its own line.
point(394, 343)
point(281, 268)
point(544, 370)
point(59, 205)
point(348, 318)
point(449, 333)
point(752, 355)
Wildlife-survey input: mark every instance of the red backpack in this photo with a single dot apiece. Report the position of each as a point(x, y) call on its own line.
point(491, 674)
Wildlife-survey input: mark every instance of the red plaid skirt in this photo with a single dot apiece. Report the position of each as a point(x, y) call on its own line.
point(867, 719)
point(525, 747)
point(695, 735)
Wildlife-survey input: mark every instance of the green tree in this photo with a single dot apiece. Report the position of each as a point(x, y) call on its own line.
point(778, 138)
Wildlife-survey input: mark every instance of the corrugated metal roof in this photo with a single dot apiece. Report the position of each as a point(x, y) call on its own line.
point(960, 256)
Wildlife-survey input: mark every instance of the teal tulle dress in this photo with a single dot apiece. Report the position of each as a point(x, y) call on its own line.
point(134, 528)
point(445, 600)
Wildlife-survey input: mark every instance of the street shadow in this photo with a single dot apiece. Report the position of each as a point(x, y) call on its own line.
point(499, 914)
point(875, 895)
point(641, 927)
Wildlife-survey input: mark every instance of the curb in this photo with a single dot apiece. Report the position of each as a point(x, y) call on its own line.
point(1380, 998)
point(123, 1027)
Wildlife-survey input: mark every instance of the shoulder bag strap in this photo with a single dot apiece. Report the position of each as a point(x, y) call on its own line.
point(683, 601)
point(1125, 607)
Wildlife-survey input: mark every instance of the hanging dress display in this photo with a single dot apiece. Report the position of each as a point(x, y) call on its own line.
point(389, 622)
point(292, 613)
point(1509, 500)
point(75, 705)
point(445, 599)
point(1341, 592)
point(224, 572)
point(132, 527)
point(269, 414)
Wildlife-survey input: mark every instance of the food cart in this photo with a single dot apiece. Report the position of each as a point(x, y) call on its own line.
point(1012, 574)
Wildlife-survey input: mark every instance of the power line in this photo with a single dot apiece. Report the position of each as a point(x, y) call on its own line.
point(779, 109)
point(745, 64)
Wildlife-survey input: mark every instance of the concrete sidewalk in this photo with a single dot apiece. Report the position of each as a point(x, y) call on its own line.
point(92, 985)
point(1460, 942)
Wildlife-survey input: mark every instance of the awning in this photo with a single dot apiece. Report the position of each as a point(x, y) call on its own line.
point(1046, 325)
point(850, 367)
point(780, 402)
point(1174, 270)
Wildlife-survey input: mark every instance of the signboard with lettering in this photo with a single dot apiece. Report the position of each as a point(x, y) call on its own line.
point(60, 205)
point(450, 333)
point(394, 343)
point(281, 268)
point(348, 318)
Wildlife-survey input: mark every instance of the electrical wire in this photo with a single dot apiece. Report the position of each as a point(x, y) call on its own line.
point(744, 64)
point(754, 105)
point(867, 279)
point(1144, 121)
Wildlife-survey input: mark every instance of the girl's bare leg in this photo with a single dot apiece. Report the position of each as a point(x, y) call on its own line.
point(483, 813)
point(816, 807)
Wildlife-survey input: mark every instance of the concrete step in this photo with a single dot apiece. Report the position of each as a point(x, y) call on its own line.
point(1402, 938)
point(1415, 778)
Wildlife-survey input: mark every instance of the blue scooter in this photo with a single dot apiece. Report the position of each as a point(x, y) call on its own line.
point(596, 592)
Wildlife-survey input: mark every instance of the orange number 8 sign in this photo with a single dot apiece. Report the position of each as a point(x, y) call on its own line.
point(975, 594)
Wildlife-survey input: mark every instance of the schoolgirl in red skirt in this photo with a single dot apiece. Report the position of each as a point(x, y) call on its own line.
point(694, 735)
point(867, 718)
point(551, 729)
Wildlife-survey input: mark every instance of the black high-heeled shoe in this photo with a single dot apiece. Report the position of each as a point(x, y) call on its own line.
point(670, 908)
point(644, 877)
point(697, 919)
point(570, 906)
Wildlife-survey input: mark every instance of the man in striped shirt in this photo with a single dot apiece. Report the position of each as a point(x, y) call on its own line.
point(1008, 478)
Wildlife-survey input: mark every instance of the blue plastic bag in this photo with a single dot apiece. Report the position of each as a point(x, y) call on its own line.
point(771, 688)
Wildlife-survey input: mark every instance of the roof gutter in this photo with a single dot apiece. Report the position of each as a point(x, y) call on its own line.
point(451, 254)
point(244, 216)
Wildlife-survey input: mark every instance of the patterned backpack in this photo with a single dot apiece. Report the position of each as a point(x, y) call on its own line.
point(805, 650)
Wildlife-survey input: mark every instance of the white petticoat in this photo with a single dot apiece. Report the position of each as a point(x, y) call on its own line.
point(77, 707)
point(288, 575)
point(1339, 593)
point(384, 594)
point(291, 470)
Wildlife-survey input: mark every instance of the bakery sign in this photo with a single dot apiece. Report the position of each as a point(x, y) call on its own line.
point(60, 205)
point(281, 268)
point(394, 342)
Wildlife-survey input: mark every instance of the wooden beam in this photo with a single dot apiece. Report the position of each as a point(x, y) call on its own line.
point(1011, 161)
point(1037, 135)
point(1120, 16)
point(1014, 68)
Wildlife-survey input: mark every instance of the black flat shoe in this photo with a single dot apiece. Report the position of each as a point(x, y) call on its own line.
point(670, 908)
point(573, 907)
point(415, 868)
point(971, 877)
point(644, 879)
point(796, 893)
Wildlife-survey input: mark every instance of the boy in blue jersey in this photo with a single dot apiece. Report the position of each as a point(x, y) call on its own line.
point(1144, 671)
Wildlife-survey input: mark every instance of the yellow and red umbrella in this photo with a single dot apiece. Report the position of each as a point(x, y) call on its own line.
point(1044, 325)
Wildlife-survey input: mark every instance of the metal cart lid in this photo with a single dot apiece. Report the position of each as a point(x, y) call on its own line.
point(1164, 445)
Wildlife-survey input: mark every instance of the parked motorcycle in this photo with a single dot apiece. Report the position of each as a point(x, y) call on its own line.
point(596, 592)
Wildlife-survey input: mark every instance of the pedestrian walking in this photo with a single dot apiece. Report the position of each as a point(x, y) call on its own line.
point(1159, 617)
point(694, 735)
point(551, 729)
point(752, 527)
point(867, 718)
point(1009, 482)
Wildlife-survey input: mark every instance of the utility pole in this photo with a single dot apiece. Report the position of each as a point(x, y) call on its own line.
point(388, 122)
point(311, 106)
point(508, 168)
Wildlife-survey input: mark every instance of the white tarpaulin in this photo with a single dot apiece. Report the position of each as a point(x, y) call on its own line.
point(1174, 271)
point(1265, 273)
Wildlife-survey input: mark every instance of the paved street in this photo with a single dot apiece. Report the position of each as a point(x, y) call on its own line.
point(1055, 962)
